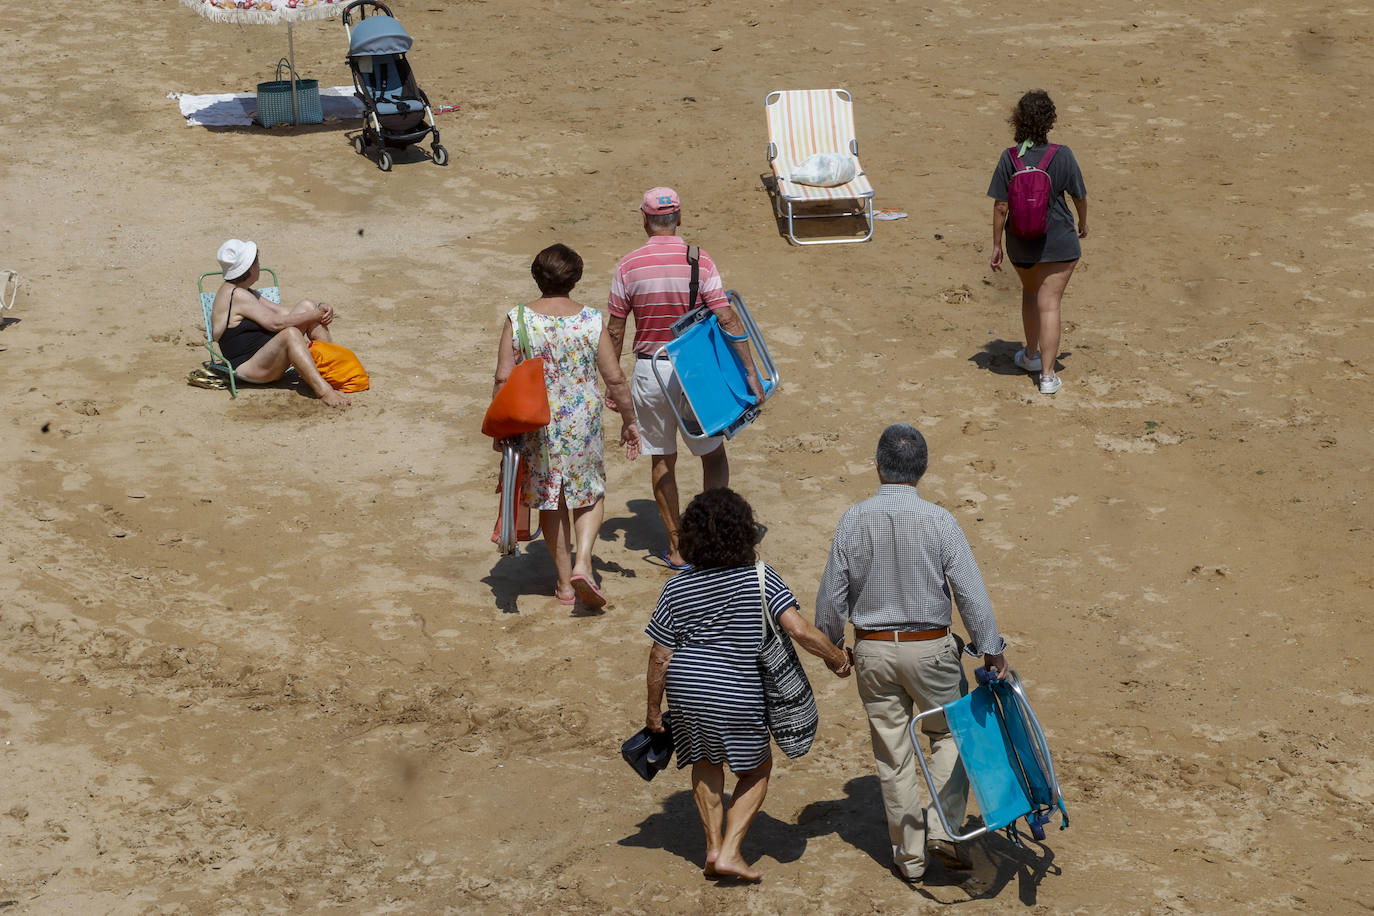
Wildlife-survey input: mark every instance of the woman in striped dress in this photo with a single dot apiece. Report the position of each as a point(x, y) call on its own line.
point(706, 633)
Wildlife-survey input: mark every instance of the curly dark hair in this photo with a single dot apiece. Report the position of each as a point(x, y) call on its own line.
point(1032, 117)
point(556, 270)
point(718, 531)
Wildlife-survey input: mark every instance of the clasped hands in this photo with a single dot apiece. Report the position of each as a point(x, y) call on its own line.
point(844, 668)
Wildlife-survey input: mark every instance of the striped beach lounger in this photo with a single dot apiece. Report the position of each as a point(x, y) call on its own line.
point(802, 123)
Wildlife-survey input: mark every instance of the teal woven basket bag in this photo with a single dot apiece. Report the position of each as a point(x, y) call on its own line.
point(274, 99)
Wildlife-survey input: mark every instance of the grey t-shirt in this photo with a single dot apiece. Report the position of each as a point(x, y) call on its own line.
point(1060, 242)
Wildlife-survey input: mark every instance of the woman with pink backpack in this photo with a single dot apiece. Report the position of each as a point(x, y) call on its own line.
point(1028, 189)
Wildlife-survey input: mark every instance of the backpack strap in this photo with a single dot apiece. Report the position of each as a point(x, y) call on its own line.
point(694, 259)
point(1020, 166)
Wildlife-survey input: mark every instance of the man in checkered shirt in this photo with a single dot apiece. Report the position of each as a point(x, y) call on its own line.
point(893, 564)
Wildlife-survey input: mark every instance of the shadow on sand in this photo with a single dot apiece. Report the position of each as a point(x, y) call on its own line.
point(996, 356)
point(839, 226)
point(530, 573)
point(856, 819)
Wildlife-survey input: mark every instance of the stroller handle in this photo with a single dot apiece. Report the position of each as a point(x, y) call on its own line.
point(362, 14)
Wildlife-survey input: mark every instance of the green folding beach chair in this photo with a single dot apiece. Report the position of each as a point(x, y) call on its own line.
point(217, 363)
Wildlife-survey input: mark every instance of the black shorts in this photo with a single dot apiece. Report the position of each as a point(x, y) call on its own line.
point(1027, 265)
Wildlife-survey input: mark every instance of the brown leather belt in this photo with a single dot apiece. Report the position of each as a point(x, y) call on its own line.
point(899, 636)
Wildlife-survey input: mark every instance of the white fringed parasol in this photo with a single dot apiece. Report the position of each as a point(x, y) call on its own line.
point(270, 12)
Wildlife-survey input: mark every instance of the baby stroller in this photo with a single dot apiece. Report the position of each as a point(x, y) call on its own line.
point(395, 108)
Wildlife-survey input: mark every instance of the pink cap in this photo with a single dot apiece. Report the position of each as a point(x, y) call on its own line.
point(660, 200)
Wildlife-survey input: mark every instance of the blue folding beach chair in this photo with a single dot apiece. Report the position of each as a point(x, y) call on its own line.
point(217, 363)
point(711, 374)
point(1005, 755)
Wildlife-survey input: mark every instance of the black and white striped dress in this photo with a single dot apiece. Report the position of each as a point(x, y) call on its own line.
point(711, 619)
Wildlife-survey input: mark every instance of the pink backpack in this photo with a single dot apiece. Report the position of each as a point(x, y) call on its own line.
point(1028, 195)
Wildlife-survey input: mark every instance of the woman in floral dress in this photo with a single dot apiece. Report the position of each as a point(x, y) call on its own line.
point(565, 459)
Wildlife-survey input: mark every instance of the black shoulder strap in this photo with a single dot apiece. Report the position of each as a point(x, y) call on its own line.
point(694, 259)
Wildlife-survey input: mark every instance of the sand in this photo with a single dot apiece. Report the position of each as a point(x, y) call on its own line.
point(260, 656)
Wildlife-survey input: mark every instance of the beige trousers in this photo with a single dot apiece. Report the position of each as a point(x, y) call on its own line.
point(894, 678)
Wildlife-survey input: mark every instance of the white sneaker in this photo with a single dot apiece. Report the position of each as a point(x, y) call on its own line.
point(1050, 385)
point(1030, 365)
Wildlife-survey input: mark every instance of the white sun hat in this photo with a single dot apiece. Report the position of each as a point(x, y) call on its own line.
point(235, 257)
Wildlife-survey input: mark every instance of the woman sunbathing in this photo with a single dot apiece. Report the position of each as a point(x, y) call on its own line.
point(261, 338)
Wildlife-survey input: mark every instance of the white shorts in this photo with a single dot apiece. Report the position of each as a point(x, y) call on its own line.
point(658, 427)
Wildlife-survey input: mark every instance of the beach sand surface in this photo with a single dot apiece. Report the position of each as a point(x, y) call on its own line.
point(258, 656)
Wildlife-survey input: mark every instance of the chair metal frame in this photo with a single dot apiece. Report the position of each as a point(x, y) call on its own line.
point(217, 363)
point(1037, 814)
point(508, 535)
point(769, 377)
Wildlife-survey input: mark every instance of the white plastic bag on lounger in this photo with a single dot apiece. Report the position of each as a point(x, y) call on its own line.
point(825, 170)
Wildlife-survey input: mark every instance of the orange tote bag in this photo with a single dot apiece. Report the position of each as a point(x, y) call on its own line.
point(522, 404)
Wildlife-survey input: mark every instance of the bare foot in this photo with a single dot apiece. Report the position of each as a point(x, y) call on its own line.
point(334, 399)
point(709, 869)
point(736, 868)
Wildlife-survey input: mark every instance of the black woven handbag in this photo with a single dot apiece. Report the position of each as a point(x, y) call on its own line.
point(789, 705)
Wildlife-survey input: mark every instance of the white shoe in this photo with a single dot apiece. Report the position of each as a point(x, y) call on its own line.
point(1030, 365)
point(1050, 385)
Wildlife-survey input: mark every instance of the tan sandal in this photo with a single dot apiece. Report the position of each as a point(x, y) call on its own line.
point(204, 378)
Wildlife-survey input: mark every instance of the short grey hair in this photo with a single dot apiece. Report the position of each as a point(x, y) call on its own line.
point(658, 222)
point(902, 455)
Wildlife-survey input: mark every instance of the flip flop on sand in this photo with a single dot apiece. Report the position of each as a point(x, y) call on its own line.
point(204, 378)
point(663, 555)
point(587, 592)
point(562, 600)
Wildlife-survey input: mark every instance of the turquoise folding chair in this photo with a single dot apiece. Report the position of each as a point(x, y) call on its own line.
point(1005, 754)
point(217, 363)
point(712, 377)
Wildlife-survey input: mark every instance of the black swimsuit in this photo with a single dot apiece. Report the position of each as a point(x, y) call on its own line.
point(241, 342)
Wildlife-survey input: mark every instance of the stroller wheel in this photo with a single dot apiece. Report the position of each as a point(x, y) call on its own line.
point(440, 155)
point(359, 144)
point(384, 161)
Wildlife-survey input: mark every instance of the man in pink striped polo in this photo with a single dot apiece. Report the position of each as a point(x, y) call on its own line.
point(652, 283)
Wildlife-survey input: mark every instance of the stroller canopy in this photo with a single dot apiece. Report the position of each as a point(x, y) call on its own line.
point(378, 35)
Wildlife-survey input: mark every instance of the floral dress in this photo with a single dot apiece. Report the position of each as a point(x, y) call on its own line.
point(569, 453)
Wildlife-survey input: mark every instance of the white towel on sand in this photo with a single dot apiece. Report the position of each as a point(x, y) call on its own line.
point(234, 109)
